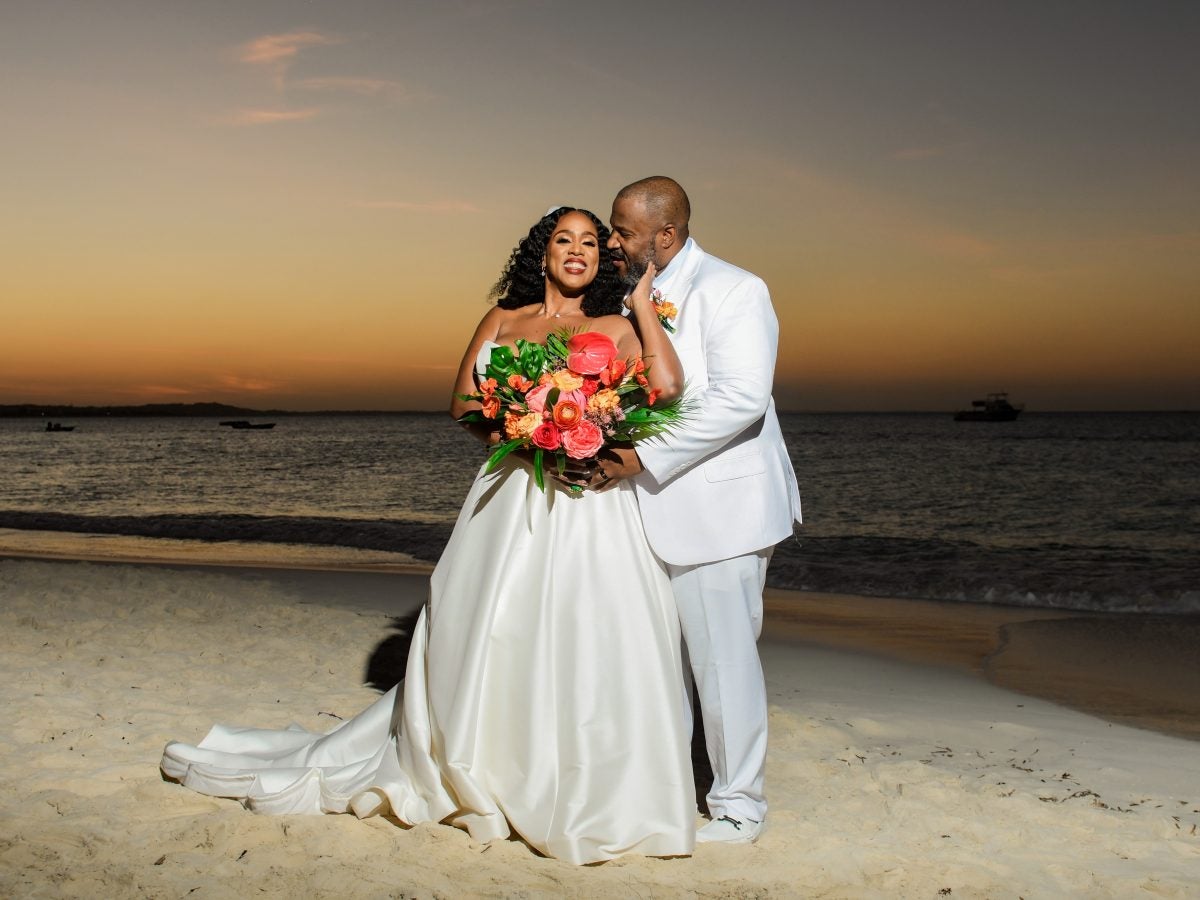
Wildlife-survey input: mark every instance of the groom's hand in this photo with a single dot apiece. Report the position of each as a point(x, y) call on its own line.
point(613, 465)
point(576, 474)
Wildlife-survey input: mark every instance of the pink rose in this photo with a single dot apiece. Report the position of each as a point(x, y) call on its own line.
point(583, 441)
point(546, 437)
point(591, 352)
point(536, 399)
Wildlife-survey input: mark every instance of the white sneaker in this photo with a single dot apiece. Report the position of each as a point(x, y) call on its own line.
point(728, 830)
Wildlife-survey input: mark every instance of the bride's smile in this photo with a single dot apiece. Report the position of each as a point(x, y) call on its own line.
point(573, 255)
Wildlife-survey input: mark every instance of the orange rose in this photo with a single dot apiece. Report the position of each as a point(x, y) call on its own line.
point(536, 399)
point(567, 414)
point(491, 407)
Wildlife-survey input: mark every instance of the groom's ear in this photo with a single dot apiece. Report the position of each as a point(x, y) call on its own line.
point(667, 236)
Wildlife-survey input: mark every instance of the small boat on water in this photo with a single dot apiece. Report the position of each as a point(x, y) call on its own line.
point(241, 424)
point(994, 408)
point(59, 426)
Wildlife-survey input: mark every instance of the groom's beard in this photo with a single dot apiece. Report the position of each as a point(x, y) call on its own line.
point(636, 268)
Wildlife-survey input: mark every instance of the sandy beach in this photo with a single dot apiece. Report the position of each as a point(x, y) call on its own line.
point(901, 763)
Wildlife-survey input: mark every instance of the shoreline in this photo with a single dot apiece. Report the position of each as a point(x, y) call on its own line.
point(1137, 670)
point(67, 546)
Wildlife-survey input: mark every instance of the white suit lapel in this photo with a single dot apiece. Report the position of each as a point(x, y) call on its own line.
point(676, 285)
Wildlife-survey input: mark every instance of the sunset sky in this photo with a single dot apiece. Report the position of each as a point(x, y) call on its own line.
point(302, 205)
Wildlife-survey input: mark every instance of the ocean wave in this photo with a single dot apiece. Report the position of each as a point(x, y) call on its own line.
point(1052, 574)
point(1056, 575)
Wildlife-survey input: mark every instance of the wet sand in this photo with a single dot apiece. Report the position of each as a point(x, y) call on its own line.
point(1140, 670)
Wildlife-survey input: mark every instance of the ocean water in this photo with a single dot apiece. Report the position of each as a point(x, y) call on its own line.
point(1081, 511)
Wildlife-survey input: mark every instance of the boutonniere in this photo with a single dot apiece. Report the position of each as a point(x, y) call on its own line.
point(664, 309)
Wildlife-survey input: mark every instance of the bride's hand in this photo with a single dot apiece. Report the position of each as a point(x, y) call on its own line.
point(641, 292)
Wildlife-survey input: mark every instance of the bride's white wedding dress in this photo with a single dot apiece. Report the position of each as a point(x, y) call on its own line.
point(543, 693)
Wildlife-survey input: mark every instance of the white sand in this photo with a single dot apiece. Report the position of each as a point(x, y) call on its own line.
point(887, 779)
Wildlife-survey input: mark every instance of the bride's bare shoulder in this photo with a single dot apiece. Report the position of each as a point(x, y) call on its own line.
point(497, 314)
point(615, 326)
point(495, 322)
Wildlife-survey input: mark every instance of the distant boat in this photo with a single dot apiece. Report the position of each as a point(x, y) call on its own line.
point(59, 426)
point(995, 408)
point(242, 424)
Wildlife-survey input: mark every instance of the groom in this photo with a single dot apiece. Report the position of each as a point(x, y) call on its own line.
point(716, 493)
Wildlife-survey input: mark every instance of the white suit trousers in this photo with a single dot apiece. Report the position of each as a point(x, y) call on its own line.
point(721, 613)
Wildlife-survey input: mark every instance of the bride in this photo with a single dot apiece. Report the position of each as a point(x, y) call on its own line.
point(543, 694)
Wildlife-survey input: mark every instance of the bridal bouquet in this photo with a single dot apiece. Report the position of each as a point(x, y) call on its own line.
point(570, 396)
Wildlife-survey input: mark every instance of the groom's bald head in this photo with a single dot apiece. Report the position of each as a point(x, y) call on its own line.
point(649, 224)
point(661, 198)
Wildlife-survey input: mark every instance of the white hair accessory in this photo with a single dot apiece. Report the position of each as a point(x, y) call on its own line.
point(553, 209)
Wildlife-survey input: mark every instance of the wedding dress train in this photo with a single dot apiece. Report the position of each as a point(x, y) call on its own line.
point(543, 694)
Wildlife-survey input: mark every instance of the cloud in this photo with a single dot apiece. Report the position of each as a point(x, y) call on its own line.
point(248, 385)
point(276, 52)
point(366, 87)
point(271, 116)
point(163, 390)
point(273, 49)
point(435, 206)
point(206, 387)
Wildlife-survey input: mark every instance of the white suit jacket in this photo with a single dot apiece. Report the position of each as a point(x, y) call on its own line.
point(720, 484)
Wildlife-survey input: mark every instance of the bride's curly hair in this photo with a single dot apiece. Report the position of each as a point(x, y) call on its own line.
point(523, 281)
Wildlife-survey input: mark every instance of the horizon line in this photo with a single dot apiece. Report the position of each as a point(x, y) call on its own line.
point(9, 410)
